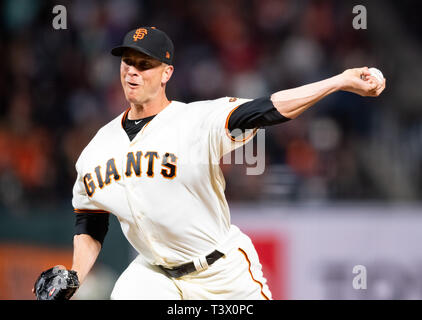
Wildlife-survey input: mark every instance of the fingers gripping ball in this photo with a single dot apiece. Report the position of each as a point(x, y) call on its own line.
point(56, 284)
point(376, 73)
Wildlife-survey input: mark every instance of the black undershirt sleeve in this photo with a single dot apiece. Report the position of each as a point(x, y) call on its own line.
point(255, 114)
point(93, 224)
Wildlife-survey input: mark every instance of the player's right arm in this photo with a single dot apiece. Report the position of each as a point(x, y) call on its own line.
point(85, 252)
point(91, 226)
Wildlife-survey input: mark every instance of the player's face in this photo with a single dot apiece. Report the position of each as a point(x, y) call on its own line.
point(141, 76)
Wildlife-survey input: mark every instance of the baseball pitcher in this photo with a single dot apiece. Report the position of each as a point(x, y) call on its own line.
point(156, 168)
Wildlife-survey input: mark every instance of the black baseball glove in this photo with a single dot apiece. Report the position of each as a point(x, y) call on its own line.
point(56, 284)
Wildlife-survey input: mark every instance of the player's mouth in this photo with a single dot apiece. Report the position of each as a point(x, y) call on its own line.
point(132, 85)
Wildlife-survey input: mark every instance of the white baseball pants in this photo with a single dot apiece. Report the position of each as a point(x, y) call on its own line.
point(235, 276)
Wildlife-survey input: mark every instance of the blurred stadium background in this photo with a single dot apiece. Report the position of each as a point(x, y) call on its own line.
point(343, 182)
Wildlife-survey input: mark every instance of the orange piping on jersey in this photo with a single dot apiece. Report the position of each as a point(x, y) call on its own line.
point(89, 211)
point(145, 125)
point(227, 128)
point(250, 272)
point(124, 117)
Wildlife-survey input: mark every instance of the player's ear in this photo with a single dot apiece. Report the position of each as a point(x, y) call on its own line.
point(167, 73)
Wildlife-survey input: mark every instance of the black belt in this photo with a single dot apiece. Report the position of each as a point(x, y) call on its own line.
point(189, 267)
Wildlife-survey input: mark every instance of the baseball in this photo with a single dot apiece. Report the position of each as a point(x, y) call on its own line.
point(377, 74)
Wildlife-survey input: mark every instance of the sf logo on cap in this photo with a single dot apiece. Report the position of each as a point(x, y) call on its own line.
point(139, 34)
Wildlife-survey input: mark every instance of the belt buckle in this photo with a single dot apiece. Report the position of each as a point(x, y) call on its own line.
point(190, 267)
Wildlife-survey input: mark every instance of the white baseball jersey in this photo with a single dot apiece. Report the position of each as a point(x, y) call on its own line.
point(165, 186)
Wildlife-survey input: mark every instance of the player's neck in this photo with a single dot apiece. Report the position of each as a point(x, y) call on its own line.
point(139, 111)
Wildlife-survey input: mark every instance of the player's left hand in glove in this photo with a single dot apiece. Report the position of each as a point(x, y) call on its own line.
point(56, 283)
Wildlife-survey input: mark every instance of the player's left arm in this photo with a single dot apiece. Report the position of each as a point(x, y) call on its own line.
point(282, 106)
point(291, 103)
point(288, 104)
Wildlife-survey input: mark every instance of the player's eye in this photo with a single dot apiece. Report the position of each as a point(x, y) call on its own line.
point(128, 61)
point(140, 65)
point(143, 65)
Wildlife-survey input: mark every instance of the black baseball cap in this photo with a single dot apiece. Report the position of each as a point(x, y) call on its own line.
point(148, 40)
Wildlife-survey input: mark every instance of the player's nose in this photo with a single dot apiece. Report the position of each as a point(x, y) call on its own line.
point(132, 71)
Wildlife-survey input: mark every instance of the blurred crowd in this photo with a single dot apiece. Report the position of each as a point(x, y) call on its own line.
point(58, 87)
